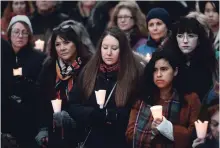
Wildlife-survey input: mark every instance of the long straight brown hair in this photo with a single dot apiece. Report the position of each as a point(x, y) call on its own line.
point(128, 73)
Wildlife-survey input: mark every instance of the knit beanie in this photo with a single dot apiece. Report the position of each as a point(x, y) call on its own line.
point(20, 18)
point(159, 13)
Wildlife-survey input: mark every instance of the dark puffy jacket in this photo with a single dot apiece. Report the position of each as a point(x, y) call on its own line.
point(20, 104)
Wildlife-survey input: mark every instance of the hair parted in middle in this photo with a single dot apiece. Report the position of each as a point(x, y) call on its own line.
point(75, 32)
point(127, 75)
point(138, 16)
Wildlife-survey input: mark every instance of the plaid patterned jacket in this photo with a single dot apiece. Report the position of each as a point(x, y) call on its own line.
point(182, 131)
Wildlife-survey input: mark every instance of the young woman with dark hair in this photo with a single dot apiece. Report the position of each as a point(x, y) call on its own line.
point(162, 85)
point(114, 69)
point(211, 11)
point(192, 43)
point(70, 51)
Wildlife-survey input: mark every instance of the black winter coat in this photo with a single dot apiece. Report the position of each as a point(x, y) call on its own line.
point(107, 131)
point(48, 93)
point(20, 104)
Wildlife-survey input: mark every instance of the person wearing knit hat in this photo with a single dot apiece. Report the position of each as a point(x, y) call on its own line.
point(161, 14)
point(20, 106)
point(20, 22)
point(158, 25)
point(20, 18)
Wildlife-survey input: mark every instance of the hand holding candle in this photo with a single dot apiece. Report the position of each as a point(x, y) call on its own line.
point(17, 72)
point(157, 111)
point(56, 105)
point(39, 44)
point(100, 97)
point(201, 128)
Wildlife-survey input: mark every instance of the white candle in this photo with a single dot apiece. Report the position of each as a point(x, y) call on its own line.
point(157, 111)
point(39, 44)
point(100, 97)
point(148, 57)
point(17, 72)
point(201, 128)
point(56, 105)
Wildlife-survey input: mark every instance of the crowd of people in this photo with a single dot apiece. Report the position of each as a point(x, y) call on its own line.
point(140, 56)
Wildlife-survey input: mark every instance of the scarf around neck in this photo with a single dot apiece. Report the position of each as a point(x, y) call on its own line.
point(66, 75)
point(106, 68)
point(142, 130)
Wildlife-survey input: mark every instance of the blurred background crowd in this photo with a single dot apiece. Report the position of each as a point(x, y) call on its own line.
point(143, 53)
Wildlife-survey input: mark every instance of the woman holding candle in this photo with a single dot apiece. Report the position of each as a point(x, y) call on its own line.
point(158, 25)
point(113, 68)
point(128, 17)
point(162, 86)
point(71, 48)
point(192, 43)
point(212, 138)
point(20, 105)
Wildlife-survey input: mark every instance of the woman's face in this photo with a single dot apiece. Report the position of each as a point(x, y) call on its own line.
point(157, 29)
point(210, 12)
point(19, 35)
point(110, 50)
point(66, 50)
point(214, 125)
point(163, 74)
point(18, 7)
point(125, 20)
point(45, 5)
point(187, 42)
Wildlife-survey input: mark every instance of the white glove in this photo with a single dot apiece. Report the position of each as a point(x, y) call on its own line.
point(166, 129)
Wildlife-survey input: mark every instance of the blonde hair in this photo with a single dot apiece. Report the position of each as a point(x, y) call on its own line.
point(139, 17)
point(201, 18)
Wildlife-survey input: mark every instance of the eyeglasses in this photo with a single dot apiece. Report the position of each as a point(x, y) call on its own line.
point(188, 36)
point(17, 33)
point(124, 17)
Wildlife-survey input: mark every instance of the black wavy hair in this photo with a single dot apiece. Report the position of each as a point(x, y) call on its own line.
point(148, 88)
point(204, 54)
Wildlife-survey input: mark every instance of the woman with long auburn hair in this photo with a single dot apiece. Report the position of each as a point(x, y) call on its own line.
point(115, 69)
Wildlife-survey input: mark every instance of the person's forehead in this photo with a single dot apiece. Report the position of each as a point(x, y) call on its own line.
point(162, 62)
point(19, 26)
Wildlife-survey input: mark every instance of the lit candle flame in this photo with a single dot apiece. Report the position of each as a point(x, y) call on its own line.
point(148, 57)
point(39, 44)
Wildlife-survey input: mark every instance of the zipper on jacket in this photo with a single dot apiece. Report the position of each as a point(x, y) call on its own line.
point(16, 59)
